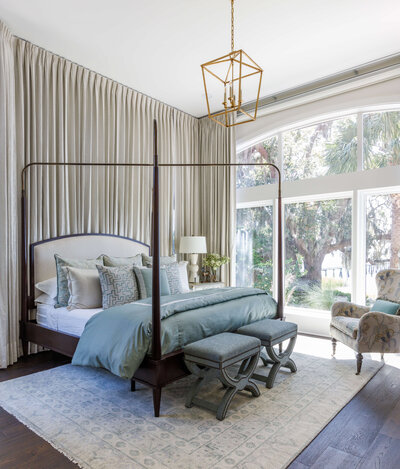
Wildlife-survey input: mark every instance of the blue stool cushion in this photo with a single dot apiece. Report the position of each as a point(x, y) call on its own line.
point(222, 348)
point(269, 330)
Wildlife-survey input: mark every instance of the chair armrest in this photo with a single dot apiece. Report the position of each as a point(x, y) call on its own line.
point(350, 310)
point(380, 332)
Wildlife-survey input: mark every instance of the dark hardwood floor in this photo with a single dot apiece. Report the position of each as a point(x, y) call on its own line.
point(364, 435)
point(20, 448)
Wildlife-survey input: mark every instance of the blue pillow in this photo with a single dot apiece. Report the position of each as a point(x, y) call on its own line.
point(145, 280)
point(387, 307)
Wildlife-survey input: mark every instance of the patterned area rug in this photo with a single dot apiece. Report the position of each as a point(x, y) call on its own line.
point(92, 417)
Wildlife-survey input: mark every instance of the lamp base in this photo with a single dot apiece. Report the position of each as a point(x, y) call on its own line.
point(193, 268)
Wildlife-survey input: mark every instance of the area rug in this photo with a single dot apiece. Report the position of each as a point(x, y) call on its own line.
point(92, 417)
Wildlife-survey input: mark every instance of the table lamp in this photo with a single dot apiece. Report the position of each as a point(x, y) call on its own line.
point(193, 245)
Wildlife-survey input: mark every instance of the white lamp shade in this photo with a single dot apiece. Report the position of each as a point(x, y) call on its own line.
point(193, 245)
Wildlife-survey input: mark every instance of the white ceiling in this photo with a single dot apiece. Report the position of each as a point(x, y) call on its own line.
point(157, 46)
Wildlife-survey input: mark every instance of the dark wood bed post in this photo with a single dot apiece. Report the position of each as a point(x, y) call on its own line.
point(155, 245)
point(24, 270)
point(281, 282)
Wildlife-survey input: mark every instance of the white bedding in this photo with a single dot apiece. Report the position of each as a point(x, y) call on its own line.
point(62, 320)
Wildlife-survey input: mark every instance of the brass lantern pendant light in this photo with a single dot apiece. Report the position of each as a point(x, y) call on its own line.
point(232, 71)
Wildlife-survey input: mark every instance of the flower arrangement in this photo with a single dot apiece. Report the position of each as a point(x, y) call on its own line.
point(214, 261)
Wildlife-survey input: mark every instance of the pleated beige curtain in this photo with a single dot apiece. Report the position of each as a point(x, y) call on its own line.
point(9, 305)
point(56, 111)
point(218, 191)
point(68, 113)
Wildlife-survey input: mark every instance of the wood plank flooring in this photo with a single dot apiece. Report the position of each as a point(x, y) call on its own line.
point(20, 448)
point(364, 435)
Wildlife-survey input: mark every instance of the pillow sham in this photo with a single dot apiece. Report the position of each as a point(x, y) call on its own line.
point(145, 281)
point(45, 299)
point(148, 260)
point(387, 307)
point(110, 261)
point(49, 287)
point(177, 277)
point(62, 281)
point(84, 288)
point(118, 285)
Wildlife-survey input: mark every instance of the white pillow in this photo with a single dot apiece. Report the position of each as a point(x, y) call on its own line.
point(148, 260)
point(45, 299)
point(48, 286)
point(177, 277)
point(84, 288)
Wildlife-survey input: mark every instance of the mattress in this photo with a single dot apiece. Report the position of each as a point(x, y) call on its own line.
point(62, 320)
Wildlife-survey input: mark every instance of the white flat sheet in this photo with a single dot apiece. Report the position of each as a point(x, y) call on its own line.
point(62, 320)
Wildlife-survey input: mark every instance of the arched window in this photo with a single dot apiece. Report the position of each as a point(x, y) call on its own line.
point(341, 195)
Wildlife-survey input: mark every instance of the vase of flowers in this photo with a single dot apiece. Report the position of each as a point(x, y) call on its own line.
point(214, 261)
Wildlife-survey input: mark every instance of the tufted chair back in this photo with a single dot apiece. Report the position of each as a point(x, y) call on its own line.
point(388, 283)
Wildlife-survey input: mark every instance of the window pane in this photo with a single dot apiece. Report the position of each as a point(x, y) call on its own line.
point(383, 238)
point(318, 253)
point(249, 176)
point(254, 247)
point(326, 148)
point(381, 134)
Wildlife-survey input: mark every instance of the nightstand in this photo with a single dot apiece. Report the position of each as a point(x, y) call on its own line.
point(206, 286)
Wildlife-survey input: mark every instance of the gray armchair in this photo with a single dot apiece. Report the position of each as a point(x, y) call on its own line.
point(368, 331)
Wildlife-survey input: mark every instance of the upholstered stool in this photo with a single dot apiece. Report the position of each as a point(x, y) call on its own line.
point(209, 358)
point(273, 332)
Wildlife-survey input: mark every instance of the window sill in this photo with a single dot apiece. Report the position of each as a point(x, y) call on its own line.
point(309, 321)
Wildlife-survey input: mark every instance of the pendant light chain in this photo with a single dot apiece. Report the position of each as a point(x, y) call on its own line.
point(232, 26)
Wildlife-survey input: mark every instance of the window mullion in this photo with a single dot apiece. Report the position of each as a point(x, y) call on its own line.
point(360, 142)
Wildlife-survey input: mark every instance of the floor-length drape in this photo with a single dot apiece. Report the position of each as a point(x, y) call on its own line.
point(217, 144)
point(9, 304)
point(68, 113)
point(57, 111)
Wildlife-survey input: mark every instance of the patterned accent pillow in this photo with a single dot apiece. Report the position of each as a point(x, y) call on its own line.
point(164, 260)
point(62, 280)
point(118, 285)
point(110, 261)
point(145, 280)
point(177, 277)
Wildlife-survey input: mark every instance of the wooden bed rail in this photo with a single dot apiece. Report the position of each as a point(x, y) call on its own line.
point(27, 297)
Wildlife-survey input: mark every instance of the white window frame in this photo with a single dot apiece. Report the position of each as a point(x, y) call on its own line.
point(357, 186)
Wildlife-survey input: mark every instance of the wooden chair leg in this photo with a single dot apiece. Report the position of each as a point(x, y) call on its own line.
point(156, 401)
point(334, 342)
point(133, 385)
point(359, 362)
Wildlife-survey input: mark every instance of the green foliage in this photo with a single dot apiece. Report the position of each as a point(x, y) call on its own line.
point(214, 261)
point(381, 139)
point(325, 148)
point(265, 152)
point(323, 297)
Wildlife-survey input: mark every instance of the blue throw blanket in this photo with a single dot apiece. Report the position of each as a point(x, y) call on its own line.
point(119, 338)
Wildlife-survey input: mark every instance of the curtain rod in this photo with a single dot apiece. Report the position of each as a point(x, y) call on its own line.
point(361, 71)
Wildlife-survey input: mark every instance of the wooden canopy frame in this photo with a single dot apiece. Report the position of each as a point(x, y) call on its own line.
point(156, 370)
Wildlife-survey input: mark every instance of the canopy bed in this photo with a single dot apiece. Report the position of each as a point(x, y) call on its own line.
point(157, 368)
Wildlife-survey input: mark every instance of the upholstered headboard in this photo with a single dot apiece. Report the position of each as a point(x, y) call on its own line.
point(79, 246)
